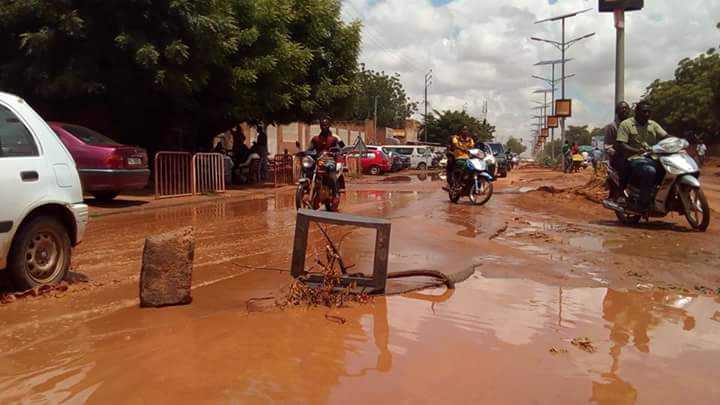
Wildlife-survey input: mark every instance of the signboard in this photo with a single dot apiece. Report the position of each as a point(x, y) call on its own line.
point(608, 6)
point(544, 133)
point(552, 121)
point(563, 107)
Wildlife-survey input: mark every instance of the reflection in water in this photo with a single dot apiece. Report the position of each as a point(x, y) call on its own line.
point(632, 315)
point(481, 338)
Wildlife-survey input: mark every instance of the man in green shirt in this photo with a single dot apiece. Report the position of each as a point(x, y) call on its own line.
point(635, 136)
point(566, 155)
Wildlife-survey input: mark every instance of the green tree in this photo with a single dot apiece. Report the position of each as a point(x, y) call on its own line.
point(579, 134)
point(442, 125)
point(141, 69)
point(515, 145)
point(393, 104)
point(691, 100)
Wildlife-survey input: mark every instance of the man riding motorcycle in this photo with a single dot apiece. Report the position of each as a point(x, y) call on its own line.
point(461, 145)
point(634, 137)
point(326, 141)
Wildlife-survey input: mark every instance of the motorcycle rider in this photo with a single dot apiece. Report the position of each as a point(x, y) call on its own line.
point(461, 145)
point(634, 137)
point(326, 141)
point(616, 157)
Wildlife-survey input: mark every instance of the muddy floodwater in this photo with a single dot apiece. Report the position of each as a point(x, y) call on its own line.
point(564, 307)
point(489, 341)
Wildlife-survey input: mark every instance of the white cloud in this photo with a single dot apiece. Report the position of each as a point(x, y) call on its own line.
point(480, 50)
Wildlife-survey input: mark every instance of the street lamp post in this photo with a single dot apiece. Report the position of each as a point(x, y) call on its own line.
point(428, 82)
point(563, 46)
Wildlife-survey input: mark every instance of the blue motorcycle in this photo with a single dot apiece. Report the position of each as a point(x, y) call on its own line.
point(472, 180)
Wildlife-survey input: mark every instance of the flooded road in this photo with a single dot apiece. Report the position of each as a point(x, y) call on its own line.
point(551, 267)
point(487, 342)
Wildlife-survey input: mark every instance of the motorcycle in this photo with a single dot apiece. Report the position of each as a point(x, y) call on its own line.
point(678, 188)
point(316, 185)
point(474, 182)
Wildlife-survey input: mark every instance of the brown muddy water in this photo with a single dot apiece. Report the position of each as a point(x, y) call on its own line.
point(489, 341)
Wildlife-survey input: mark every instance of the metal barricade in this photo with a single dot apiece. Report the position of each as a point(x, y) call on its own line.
point(209, 173)
point(284, 169)
point(173, 174)
point(354, 166)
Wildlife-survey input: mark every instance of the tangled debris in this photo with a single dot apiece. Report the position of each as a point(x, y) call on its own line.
point(584, 343)
point(555, 350)
point(7, 298)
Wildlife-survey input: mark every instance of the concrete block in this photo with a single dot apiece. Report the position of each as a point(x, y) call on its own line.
point(166, 275)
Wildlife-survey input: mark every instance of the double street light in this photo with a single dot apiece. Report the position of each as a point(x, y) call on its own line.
point(563, 45)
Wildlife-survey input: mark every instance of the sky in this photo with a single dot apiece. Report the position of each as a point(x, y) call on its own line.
point(480, 50)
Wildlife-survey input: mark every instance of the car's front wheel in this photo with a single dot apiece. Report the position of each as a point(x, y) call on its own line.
point(40, 254)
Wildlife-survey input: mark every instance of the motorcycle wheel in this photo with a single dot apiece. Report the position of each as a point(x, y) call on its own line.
point(696, 207)
point(454, 195)
point(333, 205)
point(628, 219)
point(484, 197)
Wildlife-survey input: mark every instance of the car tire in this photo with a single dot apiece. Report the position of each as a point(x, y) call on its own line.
point(40, 253)
point(422, 166)
point(375, 170)
point(105, 196)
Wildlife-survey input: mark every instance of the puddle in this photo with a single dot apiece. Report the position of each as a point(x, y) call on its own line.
point(471, 345)
point(591, 243)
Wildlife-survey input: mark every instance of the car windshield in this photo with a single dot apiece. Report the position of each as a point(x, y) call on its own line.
point(89, 136)
point(497, 148)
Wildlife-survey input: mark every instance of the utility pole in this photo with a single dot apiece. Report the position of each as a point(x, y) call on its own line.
point(428, 82)
point(618, 8)
point(375, 121)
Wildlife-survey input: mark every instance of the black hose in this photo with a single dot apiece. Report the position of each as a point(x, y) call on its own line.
point(424, 273)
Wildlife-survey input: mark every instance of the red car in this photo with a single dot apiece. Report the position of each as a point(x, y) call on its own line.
point(106, 167)
point(374, 161)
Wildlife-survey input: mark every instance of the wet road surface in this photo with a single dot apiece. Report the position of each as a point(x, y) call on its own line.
point(550, 268)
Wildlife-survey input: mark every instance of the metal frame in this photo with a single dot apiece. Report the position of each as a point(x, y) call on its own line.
point(382, 246)
point(167, 181)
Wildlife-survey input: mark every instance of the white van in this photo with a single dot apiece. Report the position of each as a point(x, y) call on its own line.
point(42, 215)
point(420, 156)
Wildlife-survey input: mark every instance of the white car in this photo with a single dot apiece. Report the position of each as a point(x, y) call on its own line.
point(420, 156)
point(42, 216)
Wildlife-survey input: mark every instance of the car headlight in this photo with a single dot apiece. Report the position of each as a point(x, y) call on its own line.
point(308, 162)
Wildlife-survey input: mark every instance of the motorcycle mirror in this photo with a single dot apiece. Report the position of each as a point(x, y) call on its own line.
point(297, 144)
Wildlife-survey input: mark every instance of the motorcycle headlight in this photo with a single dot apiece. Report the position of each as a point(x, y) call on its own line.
point(308, 162)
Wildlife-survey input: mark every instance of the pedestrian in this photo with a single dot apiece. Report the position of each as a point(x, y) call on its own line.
point(567, 156)
point(596, 159)
point(262, 150)
point(701, 151)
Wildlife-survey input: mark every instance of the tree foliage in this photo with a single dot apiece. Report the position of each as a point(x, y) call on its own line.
point(442, 125)
point(140, 68)
point(515, 145)
point(691, 100)
point(393, 104)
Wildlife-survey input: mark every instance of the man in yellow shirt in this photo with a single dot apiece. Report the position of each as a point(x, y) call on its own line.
point(461, 145)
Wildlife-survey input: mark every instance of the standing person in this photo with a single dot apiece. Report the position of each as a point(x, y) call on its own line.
point(635, 135)
point(616, 157)
point(566, 155)
point(596, 159)
point(262, 149)
point(701, 151)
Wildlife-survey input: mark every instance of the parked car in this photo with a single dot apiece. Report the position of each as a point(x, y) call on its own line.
point(420, 156)
point(42, 216)
point(396, 162)
point(106, 166)
point(373, 161)
point(406, 161)
point(497, 150)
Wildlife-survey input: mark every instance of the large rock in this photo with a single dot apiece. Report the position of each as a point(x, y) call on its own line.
point(166, 275)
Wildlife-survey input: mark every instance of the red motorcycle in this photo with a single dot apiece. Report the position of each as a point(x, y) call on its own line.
point(321, 180)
